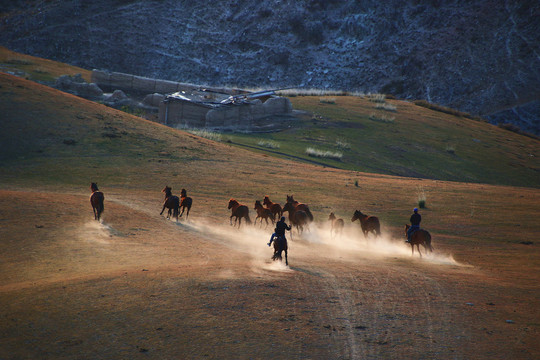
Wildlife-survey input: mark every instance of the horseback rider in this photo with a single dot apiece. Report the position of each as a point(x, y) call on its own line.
point(279, 231)
point(415, 223)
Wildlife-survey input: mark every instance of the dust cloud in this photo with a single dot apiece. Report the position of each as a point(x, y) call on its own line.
point(317, 240)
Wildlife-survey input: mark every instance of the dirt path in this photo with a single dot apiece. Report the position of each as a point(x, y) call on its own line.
point(138, 285)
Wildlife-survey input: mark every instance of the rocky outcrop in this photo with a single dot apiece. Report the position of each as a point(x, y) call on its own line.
point(76, 85)
point(481, 57)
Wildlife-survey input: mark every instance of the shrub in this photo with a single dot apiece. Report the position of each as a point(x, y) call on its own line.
point(268, 144)
point(385, 106)
point(207, 134)
point(421, 195)
point(377, 98)
point(342, 144)
point(381, 118)
point(324, 154)
point(331, 101)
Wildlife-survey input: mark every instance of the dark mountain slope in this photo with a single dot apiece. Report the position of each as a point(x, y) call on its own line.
point(482, 57)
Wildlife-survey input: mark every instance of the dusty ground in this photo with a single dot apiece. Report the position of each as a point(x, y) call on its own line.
point(140, 286)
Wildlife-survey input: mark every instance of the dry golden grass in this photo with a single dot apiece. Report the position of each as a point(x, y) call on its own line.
point(138, 285)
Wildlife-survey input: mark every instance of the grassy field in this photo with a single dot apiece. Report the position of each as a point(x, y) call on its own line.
point(411, 141)
point(138, 285)
point(37, 69)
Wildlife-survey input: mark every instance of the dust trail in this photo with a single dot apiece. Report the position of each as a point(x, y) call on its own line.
point(350, 244)
point(352, 240)
point(250, 239)
point(96, 231)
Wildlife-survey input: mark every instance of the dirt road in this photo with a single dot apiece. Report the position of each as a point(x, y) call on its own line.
point(140, 286)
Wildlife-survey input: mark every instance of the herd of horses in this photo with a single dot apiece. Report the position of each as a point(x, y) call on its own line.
point(299, 215)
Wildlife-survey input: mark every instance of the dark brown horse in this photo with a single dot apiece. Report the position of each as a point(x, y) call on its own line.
point(280, 245)
point(419, 237)
point(239, 211)
point(185, 202)
point(299, 206)
point(336, 225)
point(274, 207)
point(96, 200)
point(298, 218)
point(368, 223)
point(171, 202)
point(263, 213)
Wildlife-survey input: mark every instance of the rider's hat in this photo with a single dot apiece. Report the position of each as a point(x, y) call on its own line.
point(283, 218)
point(415, 209)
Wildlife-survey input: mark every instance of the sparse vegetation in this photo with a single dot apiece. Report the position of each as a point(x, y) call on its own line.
point(445, 109)
point(335, 155)
point(385, 106)
point(377, 98)
point(450, 149)
point(421, 196)
point(268, 144)
point(382, 118)
point(342, 144)
point(207, 134)
point(331, 101)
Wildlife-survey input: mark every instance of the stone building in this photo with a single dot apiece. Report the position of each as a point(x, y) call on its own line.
point(191, 106)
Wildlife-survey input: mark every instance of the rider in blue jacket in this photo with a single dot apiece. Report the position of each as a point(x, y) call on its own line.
point(415, 223)
point(279, 231)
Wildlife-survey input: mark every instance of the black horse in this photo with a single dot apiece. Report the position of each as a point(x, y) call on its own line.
point(171, 202)
point(280, 245)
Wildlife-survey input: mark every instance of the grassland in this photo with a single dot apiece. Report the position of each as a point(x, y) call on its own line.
point(139, 286)
point(418, 142)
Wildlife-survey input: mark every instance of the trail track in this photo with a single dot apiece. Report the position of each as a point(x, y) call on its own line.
point(139, 285)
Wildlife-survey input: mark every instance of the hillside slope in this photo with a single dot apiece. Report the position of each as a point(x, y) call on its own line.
point(478, 56)
point(138, 286)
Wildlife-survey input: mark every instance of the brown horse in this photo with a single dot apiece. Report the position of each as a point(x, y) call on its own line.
point(239, 211)
point(96, 200)
point(274, 207)
point(368, 223)
point(263, 213)
point(280, 245)
point(419, 237)
point(298, 218)
point(171, 202)
point(299, 206)
point(185, 202)
point(337, 225)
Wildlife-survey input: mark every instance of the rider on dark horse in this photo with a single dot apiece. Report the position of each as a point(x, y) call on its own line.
point(415, 223)
point(279, 231)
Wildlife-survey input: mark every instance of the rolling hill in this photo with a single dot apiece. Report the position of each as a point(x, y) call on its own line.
point(137, 285)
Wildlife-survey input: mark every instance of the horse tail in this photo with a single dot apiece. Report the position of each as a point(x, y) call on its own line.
point(101, 206)
point(428, 241)
point(248, 220)
point(309, 214)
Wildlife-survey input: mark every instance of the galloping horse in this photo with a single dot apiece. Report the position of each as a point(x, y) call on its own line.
point(274, 207)
point(419, 237)
point(299, 206)
point(298, 218)
point(238, 211)
point(185, 202)
point(368, 223)
point(171, 202)
point(263, 213)
point(280, 245)
point(337, 225)
point(96, 200)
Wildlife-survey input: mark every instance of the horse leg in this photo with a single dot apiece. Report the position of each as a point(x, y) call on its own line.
point(418, 247)
point(95, 212)
point(286, 260)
